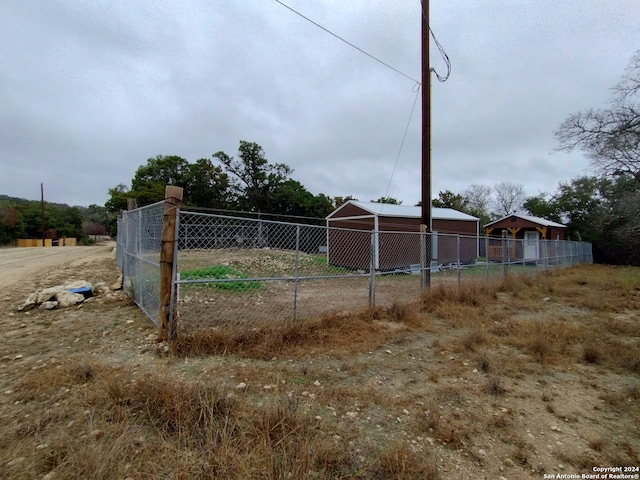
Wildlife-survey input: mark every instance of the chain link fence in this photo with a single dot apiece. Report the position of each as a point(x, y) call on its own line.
point(233, 270)
point(236, 270)
point(138, 256)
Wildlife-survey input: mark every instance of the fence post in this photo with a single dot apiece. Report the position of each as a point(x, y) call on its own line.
point(172, 201)
point(425, 260)
point(137, 288)
point(486, 253)
point(458, 258)
point(505, 255)
point(295, 281)
point(372, 273)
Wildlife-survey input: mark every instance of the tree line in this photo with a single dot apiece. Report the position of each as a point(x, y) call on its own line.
point(21, 218)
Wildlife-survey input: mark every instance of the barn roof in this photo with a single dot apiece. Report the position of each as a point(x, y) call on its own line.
point(405, 211)
point(539, 220)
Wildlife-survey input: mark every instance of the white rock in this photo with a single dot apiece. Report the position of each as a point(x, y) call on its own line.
point(316, 383)
point(66, 298)
point(49, 293)
point(49, 305)
point(241, 386)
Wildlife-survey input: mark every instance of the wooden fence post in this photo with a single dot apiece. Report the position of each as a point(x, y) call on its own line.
point(172, 201)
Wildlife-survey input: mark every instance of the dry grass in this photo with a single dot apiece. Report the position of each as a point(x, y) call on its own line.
point(477, 382)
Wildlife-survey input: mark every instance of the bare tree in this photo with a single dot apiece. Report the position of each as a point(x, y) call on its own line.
point(610, 136)
point(509, 198)
point(478, 199)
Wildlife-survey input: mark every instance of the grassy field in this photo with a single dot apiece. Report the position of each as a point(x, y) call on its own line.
point(539, 374)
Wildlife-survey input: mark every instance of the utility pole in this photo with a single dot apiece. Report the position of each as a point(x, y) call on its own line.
point(426, 148)
point(44, 231)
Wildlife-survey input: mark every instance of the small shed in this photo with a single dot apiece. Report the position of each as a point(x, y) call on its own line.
point(395, 243)
point(529, 233)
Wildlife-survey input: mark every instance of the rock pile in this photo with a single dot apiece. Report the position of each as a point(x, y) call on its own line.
point(62, 296)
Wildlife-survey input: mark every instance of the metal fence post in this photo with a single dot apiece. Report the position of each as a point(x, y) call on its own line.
point(137, 292)
point(425, 261)
point(505, 256)
point(458, 258)
point(486, 253)
point(295, 281)
point(372, 273)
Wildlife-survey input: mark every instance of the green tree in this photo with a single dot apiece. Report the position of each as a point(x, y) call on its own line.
point(11, 224)
point(163, 170)
point(339, 201)
point(321, 205)
point(448, 199)
point(579, 203)
point(118, 196)
point(619, 222)
point(543, 207)
point(253, 178)
point(389, 200)
point(71, 223)
point(206, 185)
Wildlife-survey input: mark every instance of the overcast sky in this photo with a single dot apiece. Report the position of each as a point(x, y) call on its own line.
point(90, 89)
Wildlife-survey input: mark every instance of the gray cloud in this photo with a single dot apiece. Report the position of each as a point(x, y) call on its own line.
point(90, 90)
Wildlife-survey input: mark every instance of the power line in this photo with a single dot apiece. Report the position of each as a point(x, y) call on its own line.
point(404, 136)
point(442, 51)
point(347, 42)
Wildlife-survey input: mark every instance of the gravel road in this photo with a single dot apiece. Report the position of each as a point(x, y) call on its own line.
point(19, 265)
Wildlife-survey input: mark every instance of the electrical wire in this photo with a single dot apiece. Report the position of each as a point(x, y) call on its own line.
point(347, 42)
point(404, 136)
point(442, 51)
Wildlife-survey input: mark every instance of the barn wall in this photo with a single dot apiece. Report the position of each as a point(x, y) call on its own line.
point(396, 250)
point(463, 227)
point(348, 245)
point(398, 224)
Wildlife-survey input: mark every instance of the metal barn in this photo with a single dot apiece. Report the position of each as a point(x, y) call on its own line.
point(395, 242)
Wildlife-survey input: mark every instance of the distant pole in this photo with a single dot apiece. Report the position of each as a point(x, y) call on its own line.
point(426, 141)
point(42, 211)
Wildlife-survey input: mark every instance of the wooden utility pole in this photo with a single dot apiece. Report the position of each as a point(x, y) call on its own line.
point(172, 201)
point(44, 230)
point(426, 145)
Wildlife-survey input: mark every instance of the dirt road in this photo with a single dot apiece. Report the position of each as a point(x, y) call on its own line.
point(20, 265)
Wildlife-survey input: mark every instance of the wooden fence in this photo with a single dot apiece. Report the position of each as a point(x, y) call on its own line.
point(37, 242)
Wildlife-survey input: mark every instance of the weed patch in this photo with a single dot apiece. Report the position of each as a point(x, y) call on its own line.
point(230, 279)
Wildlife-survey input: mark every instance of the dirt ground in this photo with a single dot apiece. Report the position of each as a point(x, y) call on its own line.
point(518, 419)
